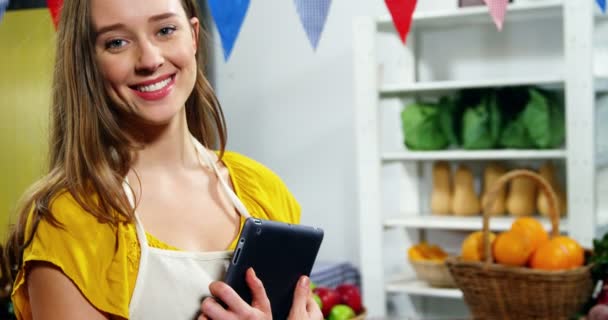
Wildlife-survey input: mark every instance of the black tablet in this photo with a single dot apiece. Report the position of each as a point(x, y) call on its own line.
point(279, 253)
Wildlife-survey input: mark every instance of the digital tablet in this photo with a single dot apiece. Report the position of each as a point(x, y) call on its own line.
point(279, 253)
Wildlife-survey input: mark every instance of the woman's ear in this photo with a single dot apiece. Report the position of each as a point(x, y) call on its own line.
point(195, 25)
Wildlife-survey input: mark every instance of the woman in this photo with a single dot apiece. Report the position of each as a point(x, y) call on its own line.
point(132, 178)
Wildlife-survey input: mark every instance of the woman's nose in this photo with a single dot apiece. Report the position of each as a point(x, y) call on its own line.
point(150, 57)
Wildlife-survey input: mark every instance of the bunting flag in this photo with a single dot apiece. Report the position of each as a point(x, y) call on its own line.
point(602, 4)
point(3, 6)
point(55, 9)
point(313, 14)
point(228, 16)
point(498, 10)
point(402, 12)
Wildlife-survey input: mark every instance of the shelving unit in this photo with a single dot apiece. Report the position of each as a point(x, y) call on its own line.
point(578, 79)
point(438, 87)
point(458, 223)
point(443, 86)
point(473, 155)
point(418, 288)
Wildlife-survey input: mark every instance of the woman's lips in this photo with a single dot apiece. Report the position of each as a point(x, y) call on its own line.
point(155, 91)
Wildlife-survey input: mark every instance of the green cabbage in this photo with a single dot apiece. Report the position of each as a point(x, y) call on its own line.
point(421, 127)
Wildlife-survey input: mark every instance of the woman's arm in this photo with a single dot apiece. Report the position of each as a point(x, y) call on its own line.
point(53, 296)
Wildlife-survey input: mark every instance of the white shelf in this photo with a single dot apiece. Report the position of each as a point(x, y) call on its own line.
point(419, 288)
point(462, 223)
point(443, 86)
point(572, 74)
point(480, 15)
point(508, 154)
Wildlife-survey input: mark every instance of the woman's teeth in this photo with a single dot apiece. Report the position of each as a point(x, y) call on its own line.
point(154, 87)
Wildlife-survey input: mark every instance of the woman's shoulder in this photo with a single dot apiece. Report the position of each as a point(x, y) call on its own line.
point(72, 219)
point(250, 171)
point(83, 248)
point(261, 189)
point(70, 227)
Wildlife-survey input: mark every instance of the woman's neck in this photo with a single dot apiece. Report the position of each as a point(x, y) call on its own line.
point(166, 147)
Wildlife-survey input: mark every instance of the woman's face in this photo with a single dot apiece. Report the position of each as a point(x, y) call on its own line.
point(146, 52)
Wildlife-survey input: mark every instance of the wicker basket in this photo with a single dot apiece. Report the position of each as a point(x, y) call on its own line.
point(494, 291)
point(435, 273)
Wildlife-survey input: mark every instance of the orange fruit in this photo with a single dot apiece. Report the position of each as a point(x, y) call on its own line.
point(435, 252)
point(424, 251)
point(512, 249)
point(415, 254)
point(472, 246)
point(532, 229)
point(559, 253)
point(576, 253)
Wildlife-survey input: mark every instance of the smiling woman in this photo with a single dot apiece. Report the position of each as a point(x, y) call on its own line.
point(149, 71)
point(139, 214)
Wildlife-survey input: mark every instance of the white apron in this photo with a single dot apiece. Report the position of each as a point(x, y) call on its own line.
point(170, 284)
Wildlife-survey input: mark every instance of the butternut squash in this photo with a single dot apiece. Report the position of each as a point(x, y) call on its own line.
point(492, 172)
point(521, 200)
point(547, 171)
point(465, 201)
point(441, 197)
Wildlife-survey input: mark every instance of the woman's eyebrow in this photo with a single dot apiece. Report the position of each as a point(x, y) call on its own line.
point(115, 26)
point(162, 16)
point(105, 29)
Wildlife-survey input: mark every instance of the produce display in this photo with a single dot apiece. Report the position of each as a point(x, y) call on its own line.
point(514, 117)
point(441, 197)
point(547, 171)
point(455, 195)
point(340, 303)
point(426, 252)
point(492, 172)
point(465, 201)
point(521, 200)
point(527, 271)
point(526, 244)
point(428, 261)
point(472, 246)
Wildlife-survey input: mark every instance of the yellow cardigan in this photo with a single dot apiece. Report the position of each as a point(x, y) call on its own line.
point(103, 260)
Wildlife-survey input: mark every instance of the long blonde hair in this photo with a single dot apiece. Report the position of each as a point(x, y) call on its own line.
point(89, 154)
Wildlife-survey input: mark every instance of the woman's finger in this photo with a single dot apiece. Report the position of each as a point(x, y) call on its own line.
point(312, 308)
point(228, 296)
point(300, 297)
point(258, 293)
point(212, 309)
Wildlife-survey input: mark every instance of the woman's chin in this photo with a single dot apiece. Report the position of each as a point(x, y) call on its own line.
point(158, 118)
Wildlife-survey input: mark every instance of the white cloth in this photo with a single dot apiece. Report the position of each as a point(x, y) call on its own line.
point(170, 284)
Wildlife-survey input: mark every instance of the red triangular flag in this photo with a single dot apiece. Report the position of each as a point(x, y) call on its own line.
point(402, 11)
point(55, 8)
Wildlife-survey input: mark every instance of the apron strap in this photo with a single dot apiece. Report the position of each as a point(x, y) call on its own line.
point(209, 161)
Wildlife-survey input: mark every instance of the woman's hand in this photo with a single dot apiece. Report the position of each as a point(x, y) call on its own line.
point(237, 308)
point(303, 307)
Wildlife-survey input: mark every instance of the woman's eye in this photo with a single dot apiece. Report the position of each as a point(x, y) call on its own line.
point(115, 44)
point(166, 31)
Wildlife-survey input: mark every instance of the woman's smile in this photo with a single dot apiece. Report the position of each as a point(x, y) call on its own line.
point(155, 89)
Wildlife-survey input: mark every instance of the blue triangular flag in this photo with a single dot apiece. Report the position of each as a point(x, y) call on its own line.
point(228, 16)
point(3, 6)
point(313, 14)
point(602, 4)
